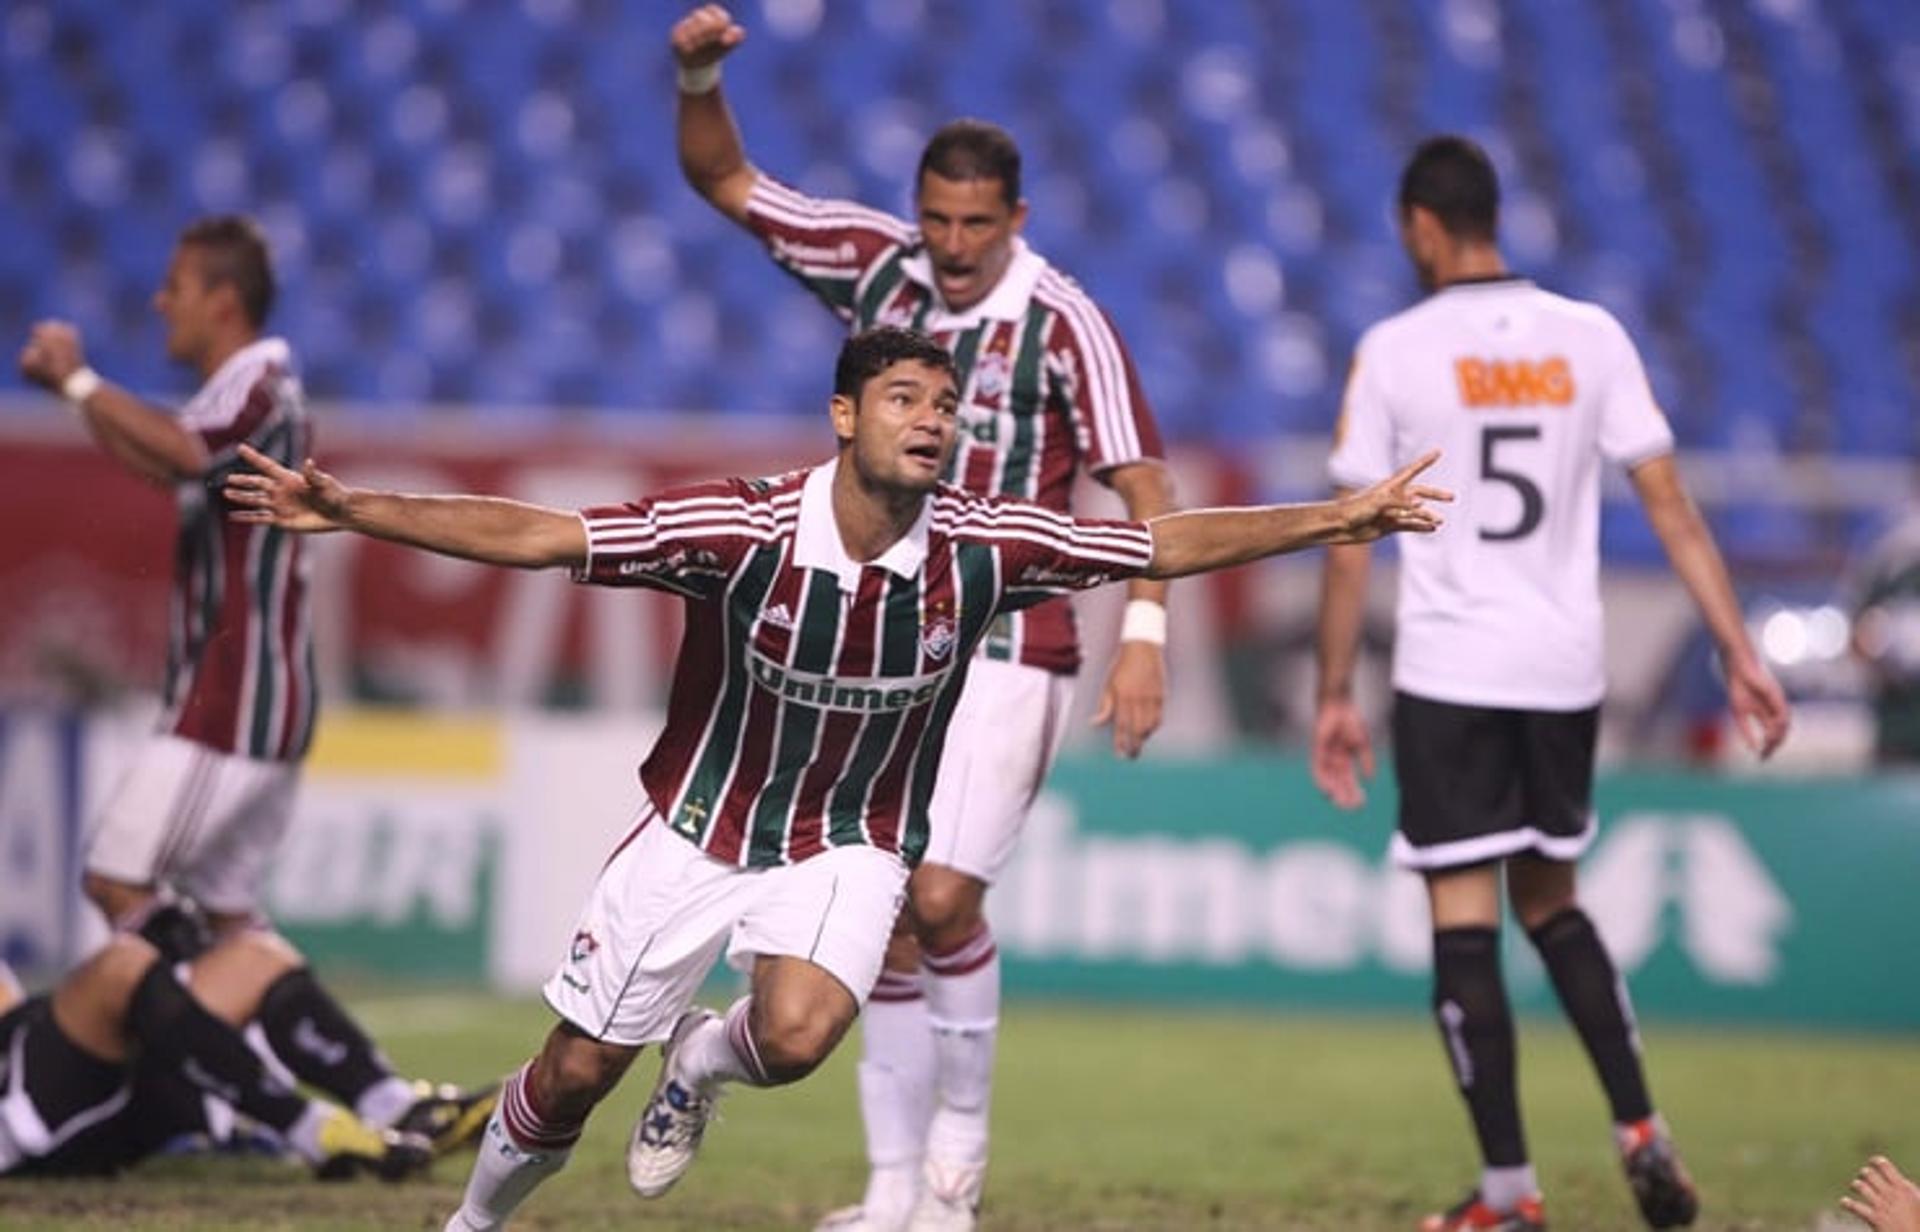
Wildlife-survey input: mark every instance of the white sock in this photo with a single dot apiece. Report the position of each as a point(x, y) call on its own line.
point(1502, 1188)
point(519, 1150)
point(304, 1135)
point(381, 1104)
point(963, 1005)
point(721, 1050)
point(896, 1091)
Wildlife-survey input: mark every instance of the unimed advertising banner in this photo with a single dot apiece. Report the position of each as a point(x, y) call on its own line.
point(1775, 900)
point(462, 848)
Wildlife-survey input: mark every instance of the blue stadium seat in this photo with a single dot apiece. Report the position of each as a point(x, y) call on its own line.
point(481, 201)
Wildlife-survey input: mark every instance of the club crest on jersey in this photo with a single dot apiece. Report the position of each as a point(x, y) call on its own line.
point(898, 314)
point(992, 376)
point(938, 636)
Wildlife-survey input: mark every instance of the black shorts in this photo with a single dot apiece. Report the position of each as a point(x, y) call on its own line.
point(81, 1115)
point(1479, 783)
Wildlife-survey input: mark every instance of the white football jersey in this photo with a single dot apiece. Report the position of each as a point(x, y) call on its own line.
point(1524, 392)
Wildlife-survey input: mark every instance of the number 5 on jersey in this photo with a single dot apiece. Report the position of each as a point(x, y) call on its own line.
point(1533, 505)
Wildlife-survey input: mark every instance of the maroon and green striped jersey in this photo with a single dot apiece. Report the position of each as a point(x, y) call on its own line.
point(240, 641)
point(1046, 385)
point(812, 693)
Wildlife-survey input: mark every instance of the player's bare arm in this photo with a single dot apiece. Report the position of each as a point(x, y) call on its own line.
point(1134, 699)
point(1342, 752)
point(711, 154)
point(488, 529)
point(1759, 707)
point(145, 439)
point(1202, 540)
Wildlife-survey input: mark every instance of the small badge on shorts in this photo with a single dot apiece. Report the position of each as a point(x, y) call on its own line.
point(584, 944)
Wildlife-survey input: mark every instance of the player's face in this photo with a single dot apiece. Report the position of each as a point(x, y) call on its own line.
point(903, 428)
point(968, 228)
point(186, 303)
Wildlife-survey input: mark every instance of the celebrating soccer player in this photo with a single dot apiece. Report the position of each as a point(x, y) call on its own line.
point(832, 618)
point(1046, 388)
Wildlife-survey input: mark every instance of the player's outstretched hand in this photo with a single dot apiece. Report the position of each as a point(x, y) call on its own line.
point(1884, 1199)
point(52, 354)
point(306, 500)
point(1759, 706)
point(707, 35)
point(1394, 505)
point(1342, 753)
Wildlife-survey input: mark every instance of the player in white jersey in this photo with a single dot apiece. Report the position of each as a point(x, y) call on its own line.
point(832, 617)
point(1047, 391)
point(1497, 664)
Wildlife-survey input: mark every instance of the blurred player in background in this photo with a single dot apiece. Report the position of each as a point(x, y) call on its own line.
point(119, 1062)
point(1047, 388)
point(1883, 597)
point(1497, 665)
point(208, 800)
point(832, 616)
point(123, 1057)
point(210, 794)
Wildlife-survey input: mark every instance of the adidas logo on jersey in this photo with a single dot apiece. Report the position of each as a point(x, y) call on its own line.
point(778, 616)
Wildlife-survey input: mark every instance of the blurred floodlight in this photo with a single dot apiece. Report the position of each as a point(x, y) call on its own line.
point(1784, 637)
point(1827, 630)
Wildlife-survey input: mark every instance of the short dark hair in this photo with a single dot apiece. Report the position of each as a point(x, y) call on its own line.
point(872, 351)
point(973, 150)
point(234, 251)
point(1453, 177)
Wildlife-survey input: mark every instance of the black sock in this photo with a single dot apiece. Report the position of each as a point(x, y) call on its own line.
point(1595, 999)
point(1476, 1026)
point(176, 1030)
point(317, 1039)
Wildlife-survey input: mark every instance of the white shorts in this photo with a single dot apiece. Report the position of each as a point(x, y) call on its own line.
point(1001, 742)
point(205, 822)
point(662, 910)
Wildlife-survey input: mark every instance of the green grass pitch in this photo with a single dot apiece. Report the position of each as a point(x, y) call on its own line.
point(1117, 1118)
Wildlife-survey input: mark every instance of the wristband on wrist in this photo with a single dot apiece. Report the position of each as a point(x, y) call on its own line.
point(1145, 621)
point(79, 386)
point(700, 80)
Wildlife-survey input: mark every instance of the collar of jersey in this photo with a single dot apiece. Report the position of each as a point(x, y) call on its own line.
point(817, 544)
point(1006, 302)
point(242, 365)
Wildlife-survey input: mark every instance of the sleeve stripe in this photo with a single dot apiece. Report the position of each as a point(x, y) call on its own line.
point(1041, 519)
point(796, 209)
point(1109, 536)
point(1110, 395)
